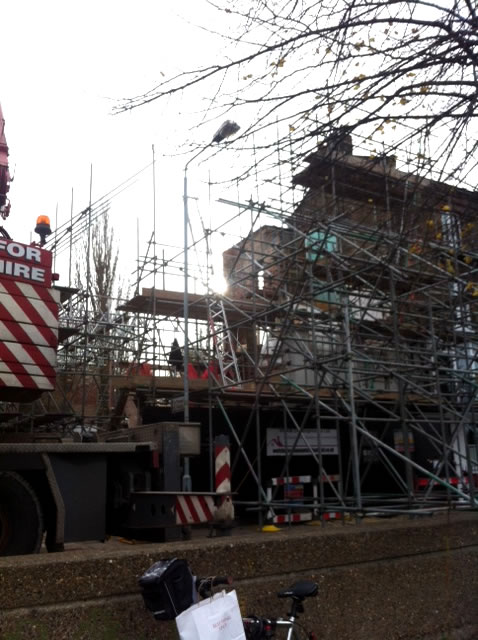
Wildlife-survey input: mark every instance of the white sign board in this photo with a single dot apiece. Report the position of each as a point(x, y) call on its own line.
point(177, 405)
point(280, 442)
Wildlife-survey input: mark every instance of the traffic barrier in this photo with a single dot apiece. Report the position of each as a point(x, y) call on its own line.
point(298, 507)
point(194, 509)
point(224, 512)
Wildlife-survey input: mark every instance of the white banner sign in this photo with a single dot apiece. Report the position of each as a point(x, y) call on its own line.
point(280, 442)
point(177, 405)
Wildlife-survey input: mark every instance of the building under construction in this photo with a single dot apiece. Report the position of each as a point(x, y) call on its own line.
point(341, 362)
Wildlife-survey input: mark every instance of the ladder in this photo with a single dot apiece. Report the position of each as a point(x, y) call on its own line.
point(224, 342)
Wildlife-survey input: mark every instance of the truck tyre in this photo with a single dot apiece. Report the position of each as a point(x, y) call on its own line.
point(21, 519)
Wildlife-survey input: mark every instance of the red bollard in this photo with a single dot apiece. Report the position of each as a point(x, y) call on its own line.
point(224, 514)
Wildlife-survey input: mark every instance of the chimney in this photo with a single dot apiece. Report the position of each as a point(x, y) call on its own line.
point(339, 142)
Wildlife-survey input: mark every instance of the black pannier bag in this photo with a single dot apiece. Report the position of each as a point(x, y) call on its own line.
point(167, 588)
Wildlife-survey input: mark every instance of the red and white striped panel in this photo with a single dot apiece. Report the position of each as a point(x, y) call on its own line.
point(31, 354)
point(26, 381)
point(291, 517)
point(28, 303)
point(223, 468)
point(331, 477)
point(425, 482)
point(332, 515)
point(194, 509)
point(278, 482)
point(28, 335)
point(27, 366)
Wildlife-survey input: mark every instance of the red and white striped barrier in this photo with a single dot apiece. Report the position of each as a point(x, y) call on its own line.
point(222, 465)
point(285, 518)
point(424, 483)
point(332, 515)
point(224, 512)
point(277, 482)
point(294, 492)
point(194, 509)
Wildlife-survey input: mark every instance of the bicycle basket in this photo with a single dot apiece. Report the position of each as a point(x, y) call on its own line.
point(167, 588)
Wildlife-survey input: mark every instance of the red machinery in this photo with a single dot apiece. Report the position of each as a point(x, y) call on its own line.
point(4, 173)
point(28, 308)
point(28, 322)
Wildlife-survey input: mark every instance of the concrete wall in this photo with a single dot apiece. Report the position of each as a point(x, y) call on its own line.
point(413, 579)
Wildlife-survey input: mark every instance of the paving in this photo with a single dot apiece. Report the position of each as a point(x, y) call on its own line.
point(383, 579)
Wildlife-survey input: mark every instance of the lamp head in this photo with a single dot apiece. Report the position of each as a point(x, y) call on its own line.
point(227, 129)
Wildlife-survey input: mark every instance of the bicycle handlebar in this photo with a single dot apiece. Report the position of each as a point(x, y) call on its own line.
point(204, 586)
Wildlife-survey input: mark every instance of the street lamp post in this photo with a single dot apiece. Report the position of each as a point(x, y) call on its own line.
point(227, 129)
point(186, 299)
point(186, 480)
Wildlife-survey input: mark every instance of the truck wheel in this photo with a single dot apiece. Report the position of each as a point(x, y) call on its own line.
point(21, 520)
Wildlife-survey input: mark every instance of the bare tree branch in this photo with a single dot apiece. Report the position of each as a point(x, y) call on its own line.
point(388, 71)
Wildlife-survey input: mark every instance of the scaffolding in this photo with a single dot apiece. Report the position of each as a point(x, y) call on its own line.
point(344, 348)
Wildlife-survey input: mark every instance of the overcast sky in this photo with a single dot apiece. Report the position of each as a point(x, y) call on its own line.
point(64, 67)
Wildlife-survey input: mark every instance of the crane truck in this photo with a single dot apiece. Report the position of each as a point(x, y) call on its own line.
point(55, 491)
